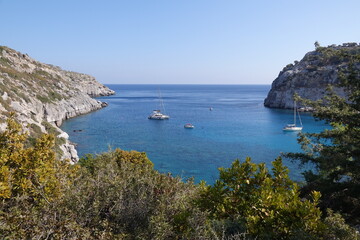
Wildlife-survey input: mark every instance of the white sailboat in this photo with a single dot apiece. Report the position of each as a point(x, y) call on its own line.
point(293, 127)
point(156, 114)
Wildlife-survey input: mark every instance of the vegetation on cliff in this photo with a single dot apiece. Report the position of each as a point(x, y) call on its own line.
point(42, 96)
point(44, 85)
point(335, 152)
point(310, 76)
point(118, 195)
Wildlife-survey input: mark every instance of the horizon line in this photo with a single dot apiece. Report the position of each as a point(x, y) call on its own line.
point(186, 83)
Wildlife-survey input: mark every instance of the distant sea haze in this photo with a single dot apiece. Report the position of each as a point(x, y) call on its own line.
point(230, 123)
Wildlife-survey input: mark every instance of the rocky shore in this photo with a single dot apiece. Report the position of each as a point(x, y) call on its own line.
point(43, 96)
point(310, 77)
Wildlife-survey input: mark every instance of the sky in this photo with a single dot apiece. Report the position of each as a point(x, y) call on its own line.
point(176, 41)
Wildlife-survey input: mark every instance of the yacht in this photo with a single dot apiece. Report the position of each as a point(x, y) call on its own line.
point(157, 115)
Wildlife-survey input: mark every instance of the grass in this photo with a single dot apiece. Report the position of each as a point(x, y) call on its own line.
point(50, 128)
point(43, 99)
point(51, 97)
point(55, 96)
point(41, 78)
point(23, 96)
point(35, 129)
point(39, 84)
point(3, 48)
point(5, 104)
point(4, 61)
point(25, 66)
point(13, 73)
point(58, 141)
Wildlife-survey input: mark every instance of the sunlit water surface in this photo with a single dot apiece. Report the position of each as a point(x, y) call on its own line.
point(238, 126)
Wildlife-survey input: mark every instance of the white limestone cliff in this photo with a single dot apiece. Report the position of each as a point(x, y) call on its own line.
point(43, 96)
point(310, 77)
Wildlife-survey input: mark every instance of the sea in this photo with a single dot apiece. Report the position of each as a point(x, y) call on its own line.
point(230, 122)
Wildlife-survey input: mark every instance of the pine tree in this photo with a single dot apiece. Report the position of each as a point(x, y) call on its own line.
point(335, 152)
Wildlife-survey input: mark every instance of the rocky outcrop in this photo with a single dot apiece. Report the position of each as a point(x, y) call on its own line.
point(310, 77)
point(43, 96)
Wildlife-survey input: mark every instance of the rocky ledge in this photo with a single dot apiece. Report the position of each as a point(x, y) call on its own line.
point(43, 96)
point(310, 77)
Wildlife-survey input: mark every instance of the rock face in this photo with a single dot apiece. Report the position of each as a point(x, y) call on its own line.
point(42, 96)
point(310, 77)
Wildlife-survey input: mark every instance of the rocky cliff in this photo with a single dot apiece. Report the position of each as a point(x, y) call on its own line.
point(310, 76)
point(43, 95)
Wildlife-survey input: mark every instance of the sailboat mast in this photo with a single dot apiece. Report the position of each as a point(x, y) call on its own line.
point(295, 113)
point(162, 107)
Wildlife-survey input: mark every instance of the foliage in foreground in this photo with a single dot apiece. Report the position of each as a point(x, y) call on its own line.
point(268, 206)
point(32, 184)
point(335, 152)
point(118, 195)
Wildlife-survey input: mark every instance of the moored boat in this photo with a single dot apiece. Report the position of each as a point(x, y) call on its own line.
point(157, 115)
point(292, 127)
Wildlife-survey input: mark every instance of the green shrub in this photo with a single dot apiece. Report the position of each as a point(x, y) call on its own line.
point(123, 190)
point(118, 195)
point(247, 196)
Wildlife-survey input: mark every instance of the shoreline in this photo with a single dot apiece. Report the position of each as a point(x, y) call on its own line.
point(43, 95)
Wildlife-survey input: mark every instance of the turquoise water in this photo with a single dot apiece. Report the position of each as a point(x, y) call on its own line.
point(238, 126)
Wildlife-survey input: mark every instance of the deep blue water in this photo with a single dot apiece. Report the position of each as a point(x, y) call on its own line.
point(238, 126)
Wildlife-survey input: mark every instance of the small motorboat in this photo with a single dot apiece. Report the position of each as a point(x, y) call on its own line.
point(189, 125)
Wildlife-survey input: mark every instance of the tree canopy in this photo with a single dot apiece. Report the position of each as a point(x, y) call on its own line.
point(267, 205)
point(335, 152)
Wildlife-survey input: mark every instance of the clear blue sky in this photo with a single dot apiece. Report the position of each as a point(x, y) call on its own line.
point(176, 41)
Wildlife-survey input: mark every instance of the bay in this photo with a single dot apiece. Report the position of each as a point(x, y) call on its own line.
point(238, 126)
